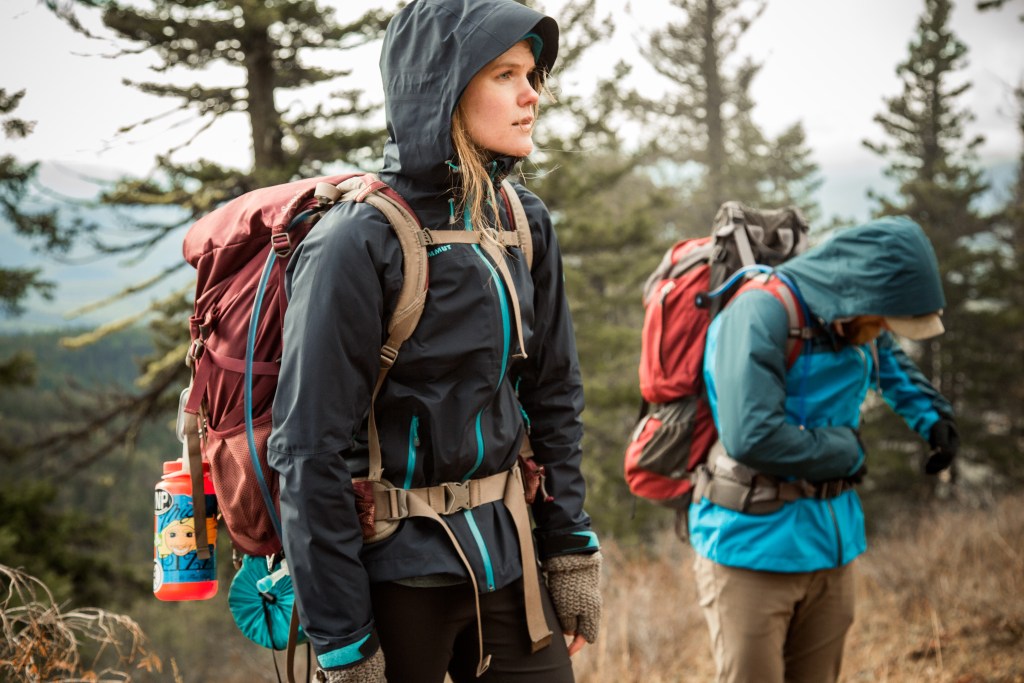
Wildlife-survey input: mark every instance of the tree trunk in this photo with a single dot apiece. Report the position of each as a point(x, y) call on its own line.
point(713, 108)
point(263, 115)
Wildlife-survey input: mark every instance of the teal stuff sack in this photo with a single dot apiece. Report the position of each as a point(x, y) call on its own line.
point(260, 600)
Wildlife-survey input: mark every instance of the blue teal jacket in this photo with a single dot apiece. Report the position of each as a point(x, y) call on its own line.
point(802, 421)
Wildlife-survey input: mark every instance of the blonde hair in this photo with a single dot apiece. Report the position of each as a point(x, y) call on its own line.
point(475, 188)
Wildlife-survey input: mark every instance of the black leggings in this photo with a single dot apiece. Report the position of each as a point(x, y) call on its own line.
point(425, 632)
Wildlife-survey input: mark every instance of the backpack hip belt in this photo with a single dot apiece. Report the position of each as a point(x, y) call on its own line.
point(729, 484)
point(392, 504)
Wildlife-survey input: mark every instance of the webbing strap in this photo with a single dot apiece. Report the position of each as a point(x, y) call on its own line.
point(238, 364)
point(293, 642)
point(434, 502)
point(515, 501)
point(194, 460)
point(391, 504)
point(737, 225)
point(419, 508)
point(520, 221)
point(411, 298)
point(506, 237)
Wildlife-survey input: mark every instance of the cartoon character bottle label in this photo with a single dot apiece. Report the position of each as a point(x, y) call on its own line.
point(176, 559)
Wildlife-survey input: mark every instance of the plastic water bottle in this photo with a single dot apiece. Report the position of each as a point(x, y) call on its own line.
point(178, 571)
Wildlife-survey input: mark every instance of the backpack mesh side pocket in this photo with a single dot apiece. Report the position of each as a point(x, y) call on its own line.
point(238, 492)
point(665, 446)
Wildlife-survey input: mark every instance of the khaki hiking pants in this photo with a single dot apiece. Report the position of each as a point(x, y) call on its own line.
point(769, 627)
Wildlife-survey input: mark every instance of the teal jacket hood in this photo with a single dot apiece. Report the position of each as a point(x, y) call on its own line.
point(431, 51)
point(884, 267)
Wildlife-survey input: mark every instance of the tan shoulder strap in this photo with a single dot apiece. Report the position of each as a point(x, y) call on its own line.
point(412, 297)
point(524, 238)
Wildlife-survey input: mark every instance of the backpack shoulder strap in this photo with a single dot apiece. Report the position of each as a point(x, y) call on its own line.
point(799, 330)
point(412, 297)
point(524, 239)
point(794, 316)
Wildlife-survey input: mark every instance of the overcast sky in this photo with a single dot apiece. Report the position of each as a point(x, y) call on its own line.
point(827, 63)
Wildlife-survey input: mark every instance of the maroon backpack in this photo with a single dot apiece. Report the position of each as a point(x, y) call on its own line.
point(240, 252)
point(695, 279)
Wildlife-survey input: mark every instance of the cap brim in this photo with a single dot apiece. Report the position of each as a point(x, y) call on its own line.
point(918, 327)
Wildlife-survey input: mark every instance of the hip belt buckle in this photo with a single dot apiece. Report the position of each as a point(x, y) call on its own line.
point(456, 496)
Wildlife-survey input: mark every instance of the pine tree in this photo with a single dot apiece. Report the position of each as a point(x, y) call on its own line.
point(17, 284)
point(995, 358)
point(268, 42)
point(610, 220)
point(705, 122)
point(33, 533)
point(938, 184)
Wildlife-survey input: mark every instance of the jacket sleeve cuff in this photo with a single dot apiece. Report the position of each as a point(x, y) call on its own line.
point(550, 545)
point(349, 655)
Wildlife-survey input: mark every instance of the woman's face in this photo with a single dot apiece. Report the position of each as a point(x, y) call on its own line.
point(498, 105)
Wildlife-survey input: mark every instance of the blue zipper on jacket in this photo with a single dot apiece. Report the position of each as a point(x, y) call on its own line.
point(414, 441)
point(505, 339)
point(506, 342)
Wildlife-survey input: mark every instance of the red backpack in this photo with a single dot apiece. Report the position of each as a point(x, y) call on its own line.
point(695, 279)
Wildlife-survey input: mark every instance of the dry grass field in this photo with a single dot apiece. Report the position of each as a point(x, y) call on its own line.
point(940, 598)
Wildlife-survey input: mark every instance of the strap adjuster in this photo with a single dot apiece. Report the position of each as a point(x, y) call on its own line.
point(388, 356)
point(195, 352)
point(456, 496)
point(281, 243)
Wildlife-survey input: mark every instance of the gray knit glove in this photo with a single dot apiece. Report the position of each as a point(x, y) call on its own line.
point(573, 583)
point(370, 670)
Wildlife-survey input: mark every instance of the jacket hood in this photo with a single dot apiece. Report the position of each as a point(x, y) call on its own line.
point(884, 267)
point(431, 50)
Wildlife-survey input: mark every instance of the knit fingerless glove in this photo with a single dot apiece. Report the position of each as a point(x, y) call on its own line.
point(370, 670)
point(573, 583)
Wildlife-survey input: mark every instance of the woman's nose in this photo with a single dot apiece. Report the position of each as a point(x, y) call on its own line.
point(528, 97)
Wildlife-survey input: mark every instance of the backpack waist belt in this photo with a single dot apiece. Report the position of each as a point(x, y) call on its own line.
point(736, 487)
point(394, 504)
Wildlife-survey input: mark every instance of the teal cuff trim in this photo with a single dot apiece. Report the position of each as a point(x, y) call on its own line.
point(591, 539)
point(342, 656)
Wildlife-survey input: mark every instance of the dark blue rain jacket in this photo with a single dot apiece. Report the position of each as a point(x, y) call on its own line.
point(800, 422)
point(456, 403)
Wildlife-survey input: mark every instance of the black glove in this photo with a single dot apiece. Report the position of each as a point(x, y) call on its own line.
point(945, 442)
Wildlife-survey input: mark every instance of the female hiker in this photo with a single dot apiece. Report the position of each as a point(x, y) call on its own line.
point(454, 584)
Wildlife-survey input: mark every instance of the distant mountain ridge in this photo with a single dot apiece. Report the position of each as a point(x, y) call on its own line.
point(843, 194)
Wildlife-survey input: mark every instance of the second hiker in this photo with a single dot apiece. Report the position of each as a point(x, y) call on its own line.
point(776, 523)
